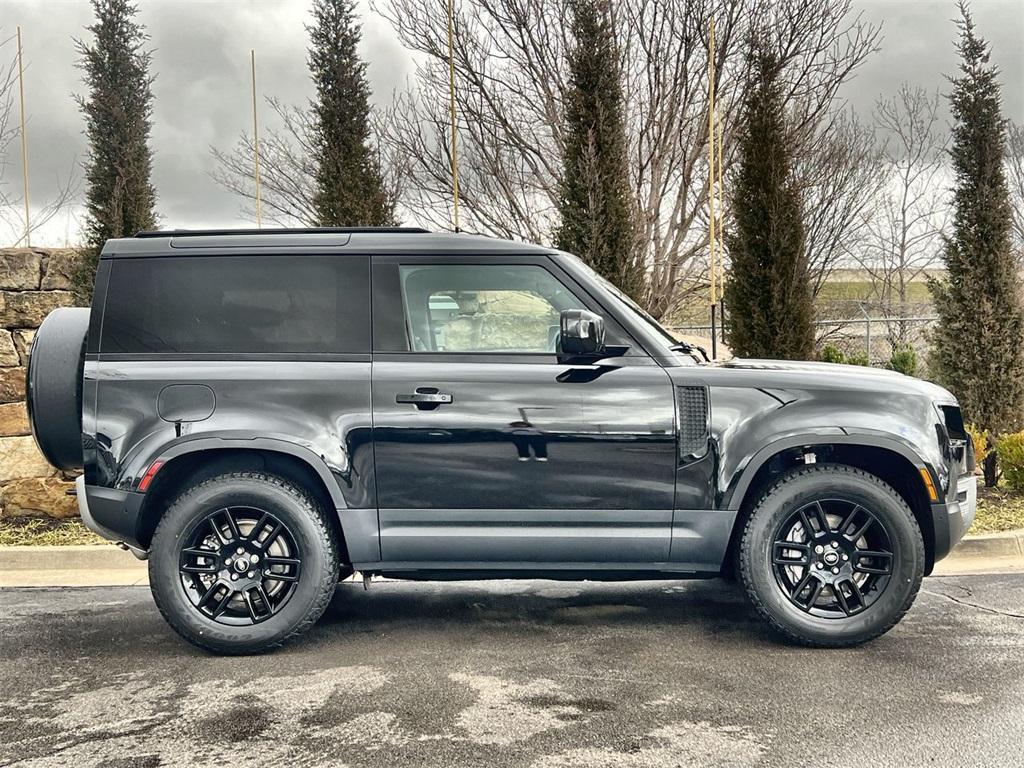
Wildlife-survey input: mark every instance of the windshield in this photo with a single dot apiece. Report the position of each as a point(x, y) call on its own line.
point(627, 303)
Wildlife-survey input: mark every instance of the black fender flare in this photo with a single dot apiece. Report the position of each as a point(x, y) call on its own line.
point(734, 495)
point(207, 442)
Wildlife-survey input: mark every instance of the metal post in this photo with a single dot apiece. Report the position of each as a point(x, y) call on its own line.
point(712, 223)
point(867, 330)
point(711, 165)
point(451, 109)
point(24, 143)
point(256, 142)
point(714, 334)
point(721, 314)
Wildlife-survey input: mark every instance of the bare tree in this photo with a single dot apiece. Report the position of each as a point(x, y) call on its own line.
point(510, 78)
point(287, 169)
point(841, 174)
point(905, 228)
point(12, 220)
point(288, 166)
point(1015, 180)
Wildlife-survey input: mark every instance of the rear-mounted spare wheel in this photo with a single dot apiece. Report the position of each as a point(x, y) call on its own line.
point(55, 386)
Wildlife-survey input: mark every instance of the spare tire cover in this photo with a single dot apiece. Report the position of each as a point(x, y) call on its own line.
point(55, 368)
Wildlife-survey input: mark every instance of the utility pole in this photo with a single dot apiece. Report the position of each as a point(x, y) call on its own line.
point(721, 235)
point(256, 141)
point(24, 143)
point(711, 186)
point(451, 109)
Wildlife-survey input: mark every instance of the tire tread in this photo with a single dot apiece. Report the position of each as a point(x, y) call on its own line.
point(328, 579)
point(745, 554)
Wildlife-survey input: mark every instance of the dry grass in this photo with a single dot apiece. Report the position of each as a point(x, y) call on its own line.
point(22, 531)
point(999, 509)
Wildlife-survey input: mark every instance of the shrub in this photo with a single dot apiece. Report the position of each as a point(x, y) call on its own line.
point(832, 354)
point(980, 440)
point(1010, 449)
point(903, 360)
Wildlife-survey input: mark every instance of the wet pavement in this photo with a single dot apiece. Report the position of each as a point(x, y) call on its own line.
point(531, 673)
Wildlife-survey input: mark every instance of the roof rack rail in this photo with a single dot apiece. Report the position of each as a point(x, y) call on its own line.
point(276, 231)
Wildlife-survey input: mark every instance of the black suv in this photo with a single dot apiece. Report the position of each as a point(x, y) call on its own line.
point(263, 413)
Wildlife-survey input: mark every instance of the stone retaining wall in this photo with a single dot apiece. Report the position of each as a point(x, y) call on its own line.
point(33, 281)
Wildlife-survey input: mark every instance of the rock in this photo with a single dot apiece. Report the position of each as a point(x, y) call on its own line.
point(14, 420)
point(23, 343)
point(34, 496)
point(58, 268)
point(20, 269)
point(12, 385)
point(28, 308)
point(8, 352)
point(19, 458)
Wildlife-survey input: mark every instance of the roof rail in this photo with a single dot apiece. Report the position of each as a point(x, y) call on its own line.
point(276, 231)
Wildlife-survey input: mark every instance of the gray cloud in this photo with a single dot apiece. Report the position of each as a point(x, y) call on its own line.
point(201, 58)
point(918, 38)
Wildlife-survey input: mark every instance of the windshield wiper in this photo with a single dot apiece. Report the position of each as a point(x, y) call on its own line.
point(691, 350)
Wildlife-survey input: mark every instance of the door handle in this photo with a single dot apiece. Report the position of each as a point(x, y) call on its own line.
point(425, 398)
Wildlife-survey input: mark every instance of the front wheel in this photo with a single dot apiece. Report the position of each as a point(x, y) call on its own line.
point(242, 562)
point(831, 556)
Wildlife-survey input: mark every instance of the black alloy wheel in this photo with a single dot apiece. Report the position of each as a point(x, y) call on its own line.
point(239, 565)
point(832, 558)
point(243, 562)
point(831, 555)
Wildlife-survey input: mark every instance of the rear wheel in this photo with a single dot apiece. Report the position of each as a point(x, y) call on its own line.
point(831, 556)
point(242, 562)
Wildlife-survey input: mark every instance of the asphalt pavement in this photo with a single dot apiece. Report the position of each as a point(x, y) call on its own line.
point(532, 673)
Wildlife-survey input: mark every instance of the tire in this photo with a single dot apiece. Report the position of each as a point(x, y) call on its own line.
point(218, 606)
point(54, 386)
point(871, 561)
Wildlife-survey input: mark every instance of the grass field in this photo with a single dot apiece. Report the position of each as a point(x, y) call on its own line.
point(845, 290)
point(837, 299)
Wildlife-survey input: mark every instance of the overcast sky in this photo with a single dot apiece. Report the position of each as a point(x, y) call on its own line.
point(201, 56)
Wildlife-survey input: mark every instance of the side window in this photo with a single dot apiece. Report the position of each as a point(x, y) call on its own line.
point(238, 305)
point(483, 307)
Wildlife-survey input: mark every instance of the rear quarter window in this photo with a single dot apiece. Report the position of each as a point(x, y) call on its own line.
point(238, 305)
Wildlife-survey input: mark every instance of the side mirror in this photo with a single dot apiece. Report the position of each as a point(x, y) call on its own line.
point(582, 333)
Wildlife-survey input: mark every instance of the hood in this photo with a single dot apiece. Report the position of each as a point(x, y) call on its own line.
point(835, 374)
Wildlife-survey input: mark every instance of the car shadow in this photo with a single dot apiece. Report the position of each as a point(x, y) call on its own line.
point(541, 606)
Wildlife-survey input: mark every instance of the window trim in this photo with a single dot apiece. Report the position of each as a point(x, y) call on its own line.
point(386, 292)
point(105, 273)
point(428, 319)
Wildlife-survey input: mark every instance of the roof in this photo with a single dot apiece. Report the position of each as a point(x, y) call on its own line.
point(313, 240)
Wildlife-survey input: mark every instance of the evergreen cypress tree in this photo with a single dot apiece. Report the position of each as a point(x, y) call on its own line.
point(350, 186)
point(768, 289)
point(596, 206)
point(119, 196)
point(978, 345)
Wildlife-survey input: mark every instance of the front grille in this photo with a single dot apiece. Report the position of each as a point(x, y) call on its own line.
point(692, 412)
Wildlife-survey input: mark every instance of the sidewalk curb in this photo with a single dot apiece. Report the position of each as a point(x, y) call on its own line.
point(108, 565)
point(99, 565)
point(1005, 544)
point(68, 558)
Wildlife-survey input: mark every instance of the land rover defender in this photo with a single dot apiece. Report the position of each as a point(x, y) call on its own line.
point(262, 413)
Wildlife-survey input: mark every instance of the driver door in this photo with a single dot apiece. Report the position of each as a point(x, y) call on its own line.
point(489, 449)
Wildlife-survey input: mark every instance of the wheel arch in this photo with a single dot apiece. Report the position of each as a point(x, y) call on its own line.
point(195, 461)
point(887, 459)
